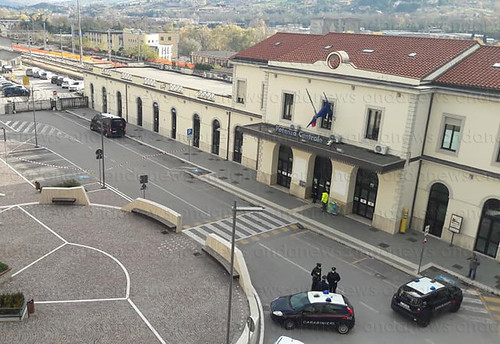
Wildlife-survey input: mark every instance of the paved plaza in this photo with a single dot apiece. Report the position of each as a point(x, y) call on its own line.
point(101, 275)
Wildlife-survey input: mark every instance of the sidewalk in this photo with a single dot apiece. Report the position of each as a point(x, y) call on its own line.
point(400, 250)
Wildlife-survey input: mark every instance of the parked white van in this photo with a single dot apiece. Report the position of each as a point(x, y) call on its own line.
point(66, 82)
point(76, 86)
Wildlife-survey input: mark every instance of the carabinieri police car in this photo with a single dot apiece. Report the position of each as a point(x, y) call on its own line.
point(313, 308)
point(423, 298)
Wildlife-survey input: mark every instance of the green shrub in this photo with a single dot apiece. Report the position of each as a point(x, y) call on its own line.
point(11, 303)
point(203, 66)
point(3, 266)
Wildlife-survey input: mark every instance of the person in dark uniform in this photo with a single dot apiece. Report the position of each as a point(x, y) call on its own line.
point(322, 285)
point(316, 275)
point(333, 278)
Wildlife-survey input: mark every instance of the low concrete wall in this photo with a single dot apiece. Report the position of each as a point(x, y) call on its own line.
point(223, 247)
point(156, 209)
point(77, 192)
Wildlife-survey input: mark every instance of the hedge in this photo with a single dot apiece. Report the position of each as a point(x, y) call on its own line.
point(3, 266)
point(11, 303)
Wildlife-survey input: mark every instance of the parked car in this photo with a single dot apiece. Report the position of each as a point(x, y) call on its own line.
point(113, 125)
point(30, 71)
point(6, 84)
point(66, 82)
point(76, 86)
point(6, 69)
point(16, 92)
point(37, 73)
point(313, 308)
point(60, 80)
point(287, 340)
point(53, 79)
point(46, 75)
point(423, 298)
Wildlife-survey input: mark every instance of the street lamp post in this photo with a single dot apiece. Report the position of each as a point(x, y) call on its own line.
point(102, 148)
point(34, 116)
point(229, 305)
point(80, 38)
point(5, 143)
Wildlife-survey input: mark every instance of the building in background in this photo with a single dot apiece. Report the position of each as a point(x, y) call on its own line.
point(133, 38)
point(214, 58)
point(325, 24)
point(100, 38)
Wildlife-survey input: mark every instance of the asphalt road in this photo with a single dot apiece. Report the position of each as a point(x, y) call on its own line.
point(125, 161)
point(280, 264)
point(279, 260)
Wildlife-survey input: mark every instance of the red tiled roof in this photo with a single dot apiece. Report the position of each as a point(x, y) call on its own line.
point(275, 46)
point(476, 70)
point(389, 56)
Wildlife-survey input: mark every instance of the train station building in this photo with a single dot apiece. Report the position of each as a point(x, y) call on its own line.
point(409, 132)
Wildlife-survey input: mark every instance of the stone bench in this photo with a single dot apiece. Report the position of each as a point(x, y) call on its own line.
point(217, 257)
point(171, 226)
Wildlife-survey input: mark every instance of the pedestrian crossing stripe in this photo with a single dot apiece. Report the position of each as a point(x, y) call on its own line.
point(494, 308)
point(244, 242)
point(265, 235)
point(254, 238)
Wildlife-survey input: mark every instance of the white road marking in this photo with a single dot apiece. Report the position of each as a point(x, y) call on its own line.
point(285, 258)
point(127, 276)
point(81, 301)
point(180, 199)
point(471, 300)
point(43, 225)
point(474, 309)
point(39, 259)
point(160, 339)
point(128, 169)
point(369, 307)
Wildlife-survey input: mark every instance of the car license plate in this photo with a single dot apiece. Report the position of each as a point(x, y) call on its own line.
point(404, 305)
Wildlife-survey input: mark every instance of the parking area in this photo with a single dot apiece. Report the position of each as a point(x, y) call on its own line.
point(100, 275)
point(43, 88)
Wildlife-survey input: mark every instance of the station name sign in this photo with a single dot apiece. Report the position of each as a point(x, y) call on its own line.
point(301, 134)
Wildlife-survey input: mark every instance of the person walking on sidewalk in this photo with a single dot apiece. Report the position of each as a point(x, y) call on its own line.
point(333, 279)
point(316, 276)
point(474, 263)
point(324, 200)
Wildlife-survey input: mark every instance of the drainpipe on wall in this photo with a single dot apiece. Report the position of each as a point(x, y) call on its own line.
point(228, 133)
point(410, 220)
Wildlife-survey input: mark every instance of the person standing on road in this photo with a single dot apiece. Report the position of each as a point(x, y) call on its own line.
point(474, 263)
point(333, 278)
point(316, 276)
point(324, 200)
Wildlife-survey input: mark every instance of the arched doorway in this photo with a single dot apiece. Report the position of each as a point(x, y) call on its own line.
point(215, 137)
point(119, 103)
point(92, 96)
point(488, 234)
point(436, 209)
point(104, 100)
point(139, 111)
point(238, 143)
point(285, 163)
point(365, 193)
point(174, 123)
point(156, 117)
point(196, 131)
point(322, 176)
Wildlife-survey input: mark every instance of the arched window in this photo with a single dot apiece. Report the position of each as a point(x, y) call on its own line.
point(196, 131)
point(215, 137)
point(92, 96)
point(488, 234)
point(156, 117)
point(139, 111)
point(174, 123)
point(238, 143)
point(104, 100)
point(119, 103)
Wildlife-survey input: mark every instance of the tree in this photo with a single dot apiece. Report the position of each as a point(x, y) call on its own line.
point(144, 52)
point(188, 46)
